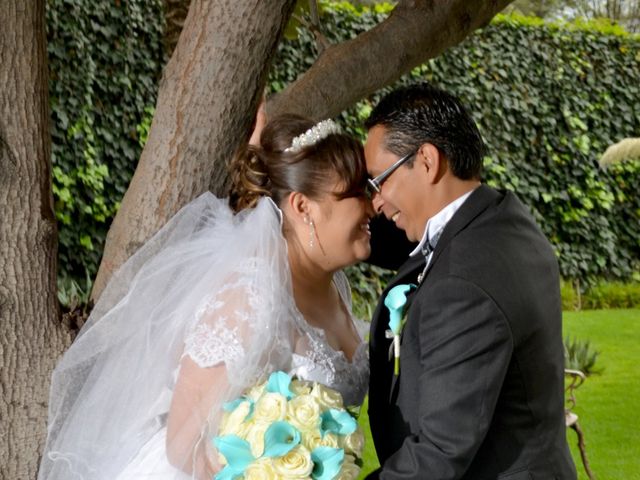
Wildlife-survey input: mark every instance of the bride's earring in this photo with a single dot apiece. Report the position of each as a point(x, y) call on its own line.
point(312, 230)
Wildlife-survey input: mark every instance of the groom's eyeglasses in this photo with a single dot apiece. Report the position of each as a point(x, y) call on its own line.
point(375, 184)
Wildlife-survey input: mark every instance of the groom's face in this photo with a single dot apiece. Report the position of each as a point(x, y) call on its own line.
point(402, 194)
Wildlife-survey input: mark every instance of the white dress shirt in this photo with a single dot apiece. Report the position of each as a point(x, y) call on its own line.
point(435, 226)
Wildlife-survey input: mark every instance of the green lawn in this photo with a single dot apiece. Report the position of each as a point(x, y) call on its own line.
point(605, 403)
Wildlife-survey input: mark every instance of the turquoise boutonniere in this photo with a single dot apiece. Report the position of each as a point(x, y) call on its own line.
point(395, 301)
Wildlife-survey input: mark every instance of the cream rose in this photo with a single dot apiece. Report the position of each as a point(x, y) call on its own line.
point(330, 440)
point(232, 423)
point(349, 470)
point(270, 408)
point(300, 387)
point(295, 464)
point(354, 443)
point(327, 397)
point(303, 412)
point(261, 469)
point(255, 436)
point(311, 439)
point(256, 392)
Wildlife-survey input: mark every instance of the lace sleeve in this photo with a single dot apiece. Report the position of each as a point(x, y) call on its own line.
point(220, 331)
point(217, 355)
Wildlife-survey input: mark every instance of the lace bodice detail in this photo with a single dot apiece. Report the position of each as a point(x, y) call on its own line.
point(319, 362)
point(225, 330)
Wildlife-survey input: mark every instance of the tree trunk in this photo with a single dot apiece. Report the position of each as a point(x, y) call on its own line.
point(416, 31)
point(211, 86)
point(213, 82)
point(31, 334)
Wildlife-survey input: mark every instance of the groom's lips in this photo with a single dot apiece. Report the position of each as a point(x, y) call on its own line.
point(395, 216)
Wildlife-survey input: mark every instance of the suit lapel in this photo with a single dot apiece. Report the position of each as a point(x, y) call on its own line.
point(478, 201)
point(406, 274)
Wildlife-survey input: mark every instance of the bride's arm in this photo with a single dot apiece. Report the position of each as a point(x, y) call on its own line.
point(197, 391)
point(260, 122)
point(202, 386)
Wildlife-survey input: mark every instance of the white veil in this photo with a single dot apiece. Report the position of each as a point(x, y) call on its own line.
point(112, 390)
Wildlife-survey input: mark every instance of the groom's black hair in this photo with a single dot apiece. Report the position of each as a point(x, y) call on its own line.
point(421, 113)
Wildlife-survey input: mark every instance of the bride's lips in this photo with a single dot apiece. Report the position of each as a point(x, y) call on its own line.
point(365, 228)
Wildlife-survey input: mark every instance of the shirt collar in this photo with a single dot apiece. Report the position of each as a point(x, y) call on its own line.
point(439, 221)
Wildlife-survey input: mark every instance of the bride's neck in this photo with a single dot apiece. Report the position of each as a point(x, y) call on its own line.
point(309, 280)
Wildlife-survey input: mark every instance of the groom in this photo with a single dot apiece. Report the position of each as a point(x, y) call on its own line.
point(479, 392)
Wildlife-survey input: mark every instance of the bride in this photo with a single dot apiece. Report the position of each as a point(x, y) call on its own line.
point(224, 294)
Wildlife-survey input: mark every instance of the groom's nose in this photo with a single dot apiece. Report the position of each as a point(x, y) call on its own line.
point(377, 202)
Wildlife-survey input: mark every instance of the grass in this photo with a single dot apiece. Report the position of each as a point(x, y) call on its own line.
point(369, 457)
point(607, 403)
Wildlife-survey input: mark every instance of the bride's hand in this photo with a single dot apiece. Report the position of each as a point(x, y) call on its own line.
point(261, 120)
point(207, 465)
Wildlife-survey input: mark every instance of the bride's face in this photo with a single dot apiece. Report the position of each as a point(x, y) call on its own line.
point(342, 235)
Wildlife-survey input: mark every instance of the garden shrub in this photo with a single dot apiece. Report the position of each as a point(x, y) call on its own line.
point(569, 295)
point(612, 295)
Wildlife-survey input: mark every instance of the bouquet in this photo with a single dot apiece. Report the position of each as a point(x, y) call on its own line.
point(289, 429)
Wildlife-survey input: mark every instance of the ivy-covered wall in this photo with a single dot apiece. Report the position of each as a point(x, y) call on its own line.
point(549, 100)
point(105, 62)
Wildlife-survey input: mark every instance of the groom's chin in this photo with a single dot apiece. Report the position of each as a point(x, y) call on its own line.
point(411, 237)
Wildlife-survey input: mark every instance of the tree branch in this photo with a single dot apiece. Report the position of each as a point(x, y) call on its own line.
point(321, 41)
point(414, 32)
point(207, 98)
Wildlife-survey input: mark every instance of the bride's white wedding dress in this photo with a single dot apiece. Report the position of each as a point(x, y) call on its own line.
point(315, 361)
point(210, 287)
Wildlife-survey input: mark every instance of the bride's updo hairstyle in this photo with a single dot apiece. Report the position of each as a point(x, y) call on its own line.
point(269, 170)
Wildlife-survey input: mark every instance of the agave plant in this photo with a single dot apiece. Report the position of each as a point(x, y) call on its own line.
point(579, 355)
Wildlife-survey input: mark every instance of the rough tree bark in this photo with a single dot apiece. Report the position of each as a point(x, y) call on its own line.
point(201, 108)
point(31, 336)
point(211, 85)
point(416, 31)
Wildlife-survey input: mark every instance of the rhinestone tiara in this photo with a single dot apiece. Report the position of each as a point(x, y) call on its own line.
point(318, 132)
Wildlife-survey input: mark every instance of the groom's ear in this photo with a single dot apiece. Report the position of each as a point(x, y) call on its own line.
point(431, 162)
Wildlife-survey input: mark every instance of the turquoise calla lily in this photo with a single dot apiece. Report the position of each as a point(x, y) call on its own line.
point(327, 462)
point(279, 382)
point(231, 406)
point(395, 301)
point(228, 473)
point(338, 422)
point(280, 438)
point(238, 454)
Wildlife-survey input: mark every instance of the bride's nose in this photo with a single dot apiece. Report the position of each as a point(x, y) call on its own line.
point(370, 209)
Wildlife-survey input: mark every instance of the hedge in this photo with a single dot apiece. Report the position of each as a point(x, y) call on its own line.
point(105, 62)
point(548, 99)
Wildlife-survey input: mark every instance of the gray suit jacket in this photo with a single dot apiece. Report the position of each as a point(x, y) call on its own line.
point(480, 390)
